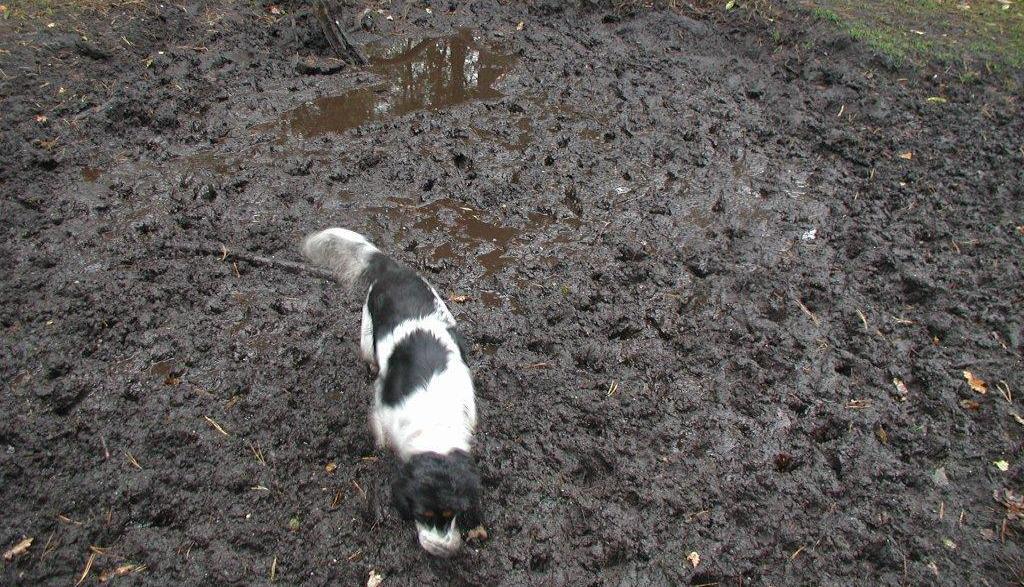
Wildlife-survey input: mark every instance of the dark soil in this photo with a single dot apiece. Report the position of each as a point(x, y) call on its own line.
point(697, 258)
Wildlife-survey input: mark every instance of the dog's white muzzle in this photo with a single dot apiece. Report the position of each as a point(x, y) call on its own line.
point(437, 543)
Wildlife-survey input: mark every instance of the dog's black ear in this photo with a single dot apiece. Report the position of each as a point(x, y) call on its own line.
point(471, 518)
point(401, 492)
point(469, 487)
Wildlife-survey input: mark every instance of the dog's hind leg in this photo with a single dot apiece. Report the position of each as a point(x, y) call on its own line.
point(376, 426)
point(366, 347)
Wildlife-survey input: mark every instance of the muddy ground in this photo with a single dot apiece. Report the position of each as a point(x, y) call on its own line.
point(722, 278)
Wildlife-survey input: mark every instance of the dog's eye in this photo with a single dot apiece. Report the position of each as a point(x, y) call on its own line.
point(428, 514)
point(446, 514)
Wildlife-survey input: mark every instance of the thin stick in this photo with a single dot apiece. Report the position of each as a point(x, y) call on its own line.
point(361, 490)
point(216, 426)
point(808, 312)
point(88, 567)
point(223, 252)
point(259, 453)
point(132, 460)
point(863, 319)
point(797, 553)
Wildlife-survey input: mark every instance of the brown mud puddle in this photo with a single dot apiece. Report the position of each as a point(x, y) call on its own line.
point(429, 74)
point(467, 231)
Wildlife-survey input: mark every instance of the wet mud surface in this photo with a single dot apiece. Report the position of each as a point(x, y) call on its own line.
point(721, 287)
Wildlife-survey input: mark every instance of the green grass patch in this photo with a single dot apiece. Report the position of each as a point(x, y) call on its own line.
point(985, 34)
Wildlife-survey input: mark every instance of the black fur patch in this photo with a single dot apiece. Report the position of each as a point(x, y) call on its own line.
point(413, 362)
point(434, 482)
point(398, 294)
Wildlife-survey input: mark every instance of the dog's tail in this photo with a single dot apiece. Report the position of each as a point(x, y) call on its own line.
point(347, 254)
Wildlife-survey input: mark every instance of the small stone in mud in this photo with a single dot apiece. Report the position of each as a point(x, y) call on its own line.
point(318, 65)
point(206, 192)
point(299, 167)
point(87, 49)
point(694, 559)
point(478, 533)
point(784, 462)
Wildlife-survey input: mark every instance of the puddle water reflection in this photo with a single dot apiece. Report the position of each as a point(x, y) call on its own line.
point(467, 233)
point(430, 74)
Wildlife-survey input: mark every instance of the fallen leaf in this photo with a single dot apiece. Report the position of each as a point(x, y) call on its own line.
point(330, 468)
point(40, 118)
point(458, 299)
point(969, 404)
point(1001, 465)
point(900, 386)
point(906, 155)
point(50, 25)
point(694, 559)
point(478, 533)
point(937, 100)
point(940, 478)
point(1013, 502)
point(1020, 229)
point(120, 571)
point(375, 579)
point(275, 9)
point(988, 533)
point(949, 543)
point(784, 462)
point(976, 383)
point(520, 26)
point(18, 549)
point(882, 435)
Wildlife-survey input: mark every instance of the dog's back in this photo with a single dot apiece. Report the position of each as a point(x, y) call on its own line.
point(424, 398)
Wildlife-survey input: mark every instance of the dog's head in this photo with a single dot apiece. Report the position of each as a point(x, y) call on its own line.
point(441, 494)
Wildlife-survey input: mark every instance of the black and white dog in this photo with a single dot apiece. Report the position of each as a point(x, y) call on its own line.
point(423, 402)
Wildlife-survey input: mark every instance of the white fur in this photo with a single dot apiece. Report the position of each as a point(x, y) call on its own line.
point(438, 544)
point(343, 251)
point(366, 333)
point(440, 416)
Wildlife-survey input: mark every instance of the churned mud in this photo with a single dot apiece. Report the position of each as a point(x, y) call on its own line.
point(722, 287)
